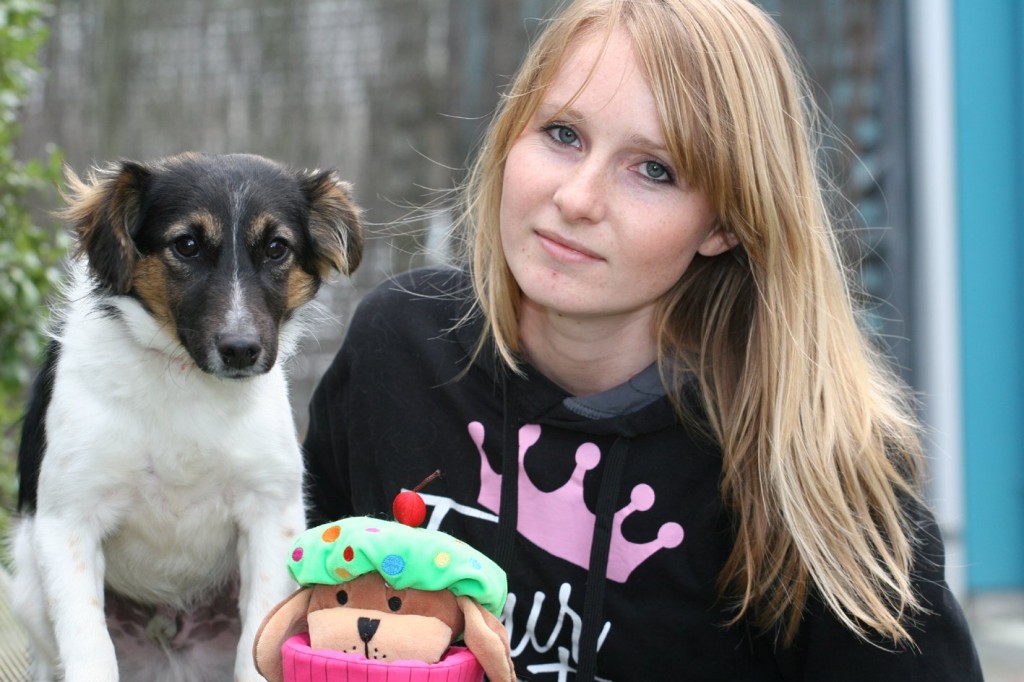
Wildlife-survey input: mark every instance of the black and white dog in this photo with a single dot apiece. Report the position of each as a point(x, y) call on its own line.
point(160, 469)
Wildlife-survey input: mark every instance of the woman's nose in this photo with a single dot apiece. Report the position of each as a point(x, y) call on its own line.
point(582, 193)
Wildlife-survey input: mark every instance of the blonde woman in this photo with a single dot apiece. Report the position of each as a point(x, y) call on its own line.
point(645, 386)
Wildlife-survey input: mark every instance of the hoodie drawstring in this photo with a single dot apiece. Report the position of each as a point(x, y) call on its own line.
point(508, 507)
point(607, 501)
point(593, 600)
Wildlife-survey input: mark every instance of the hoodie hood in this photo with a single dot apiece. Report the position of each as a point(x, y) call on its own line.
point(636, 407)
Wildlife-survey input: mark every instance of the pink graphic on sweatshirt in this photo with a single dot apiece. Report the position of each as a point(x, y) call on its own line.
point(560, 522)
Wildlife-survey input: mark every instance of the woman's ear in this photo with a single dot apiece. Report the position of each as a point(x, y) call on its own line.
point(485, 636)
point(285, 620)
point(718, 241)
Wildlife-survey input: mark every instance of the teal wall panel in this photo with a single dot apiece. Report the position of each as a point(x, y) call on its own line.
point(989, 83)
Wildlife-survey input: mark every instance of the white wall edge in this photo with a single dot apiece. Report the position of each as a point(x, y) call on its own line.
point(936, 283)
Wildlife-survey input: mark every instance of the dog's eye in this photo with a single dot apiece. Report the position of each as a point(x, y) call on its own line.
point(277, 249)
point(342, 597)
point(395, 603)
point(186, 247)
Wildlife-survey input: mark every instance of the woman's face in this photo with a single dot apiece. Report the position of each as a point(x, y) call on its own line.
point(595, 219)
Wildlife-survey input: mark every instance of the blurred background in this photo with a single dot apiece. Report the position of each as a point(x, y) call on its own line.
point(927, 97)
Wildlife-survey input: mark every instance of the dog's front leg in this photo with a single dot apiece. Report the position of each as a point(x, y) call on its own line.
point(71, 567)
point(265, 537)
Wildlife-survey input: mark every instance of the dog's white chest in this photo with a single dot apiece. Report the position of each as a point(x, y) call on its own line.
point(181, 532)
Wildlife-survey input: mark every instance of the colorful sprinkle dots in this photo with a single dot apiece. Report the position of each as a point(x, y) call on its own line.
point(442, 559)
point(349, 554)
point(331, 534)
point(297, 554)
point(343, 573)
point(392, 564)
point(475, 564)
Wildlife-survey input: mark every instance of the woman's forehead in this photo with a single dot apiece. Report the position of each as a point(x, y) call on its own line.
point(599, 73)
point(592, 66)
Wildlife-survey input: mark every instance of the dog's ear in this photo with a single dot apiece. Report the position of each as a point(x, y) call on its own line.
point(334, 222)
point(486, 638)
point(104, 209)
point(285, 620)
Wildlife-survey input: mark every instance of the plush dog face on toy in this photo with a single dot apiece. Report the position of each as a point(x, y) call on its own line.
point(389, 592)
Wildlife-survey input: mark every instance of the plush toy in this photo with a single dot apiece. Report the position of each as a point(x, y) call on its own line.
point(381, 600)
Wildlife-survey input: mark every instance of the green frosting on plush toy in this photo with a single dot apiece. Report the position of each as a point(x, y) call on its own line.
point(406, 557)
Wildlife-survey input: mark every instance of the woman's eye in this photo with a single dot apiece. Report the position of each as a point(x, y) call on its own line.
point(562, 134)
point(186, 247)
point(655, 171)
point(277, 249)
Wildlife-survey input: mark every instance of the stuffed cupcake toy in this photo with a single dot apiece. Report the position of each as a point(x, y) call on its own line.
point(381, 600)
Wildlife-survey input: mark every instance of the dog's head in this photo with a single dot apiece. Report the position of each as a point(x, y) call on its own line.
point(220, 251)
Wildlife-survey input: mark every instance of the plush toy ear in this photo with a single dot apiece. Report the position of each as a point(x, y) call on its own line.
point(285, 620)
point(105, 210)
point(334, 223)
point(486, 638)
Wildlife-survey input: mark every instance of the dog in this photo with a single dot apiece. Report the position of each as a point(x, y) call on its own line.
point(160, 469)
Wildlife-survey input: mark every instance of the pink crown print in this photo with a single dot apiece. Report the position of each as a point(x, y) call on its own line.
point(559, 522)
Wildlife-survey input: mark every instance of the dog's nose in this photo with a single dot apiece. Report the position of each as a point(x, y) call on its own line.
point(239, 351)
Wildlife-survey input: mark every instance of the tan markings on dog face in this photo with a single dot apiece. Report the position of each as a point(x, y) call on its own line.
point(301, 288)
point(263, 229)
point(211, 229)
point(151, 286)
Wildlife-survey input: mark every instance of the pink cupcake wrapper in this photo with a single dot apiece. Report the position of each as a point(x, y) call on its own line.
point(303, 664)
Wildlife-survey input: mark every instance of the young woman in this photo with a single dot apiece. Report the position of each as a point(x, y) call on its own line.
point(645, 387)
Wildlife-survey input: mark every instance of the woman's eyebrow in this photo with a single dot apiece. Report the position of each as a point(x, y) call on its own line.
point(550, 110)
point(645, 142)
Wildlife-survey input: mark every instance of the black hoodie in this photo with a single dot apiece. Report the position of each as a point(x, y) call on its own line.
point(621, 531)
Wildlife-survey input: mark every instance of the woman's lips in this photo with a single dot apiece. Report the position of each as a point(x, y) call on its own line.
point(566, 250)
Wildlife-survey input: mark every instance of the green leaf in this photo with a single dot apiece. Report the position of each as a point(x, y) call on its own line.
point(30, 253)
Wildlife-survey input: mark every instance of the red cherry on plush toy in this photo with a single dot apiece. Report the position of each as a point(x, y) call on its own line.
point(409, 508)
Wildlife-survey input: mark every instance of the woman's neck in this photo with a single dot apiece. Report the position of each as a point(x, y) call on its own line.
point(586, 356)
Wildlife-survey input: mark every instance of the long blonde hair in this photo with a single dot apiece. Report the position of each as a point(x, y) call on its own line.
point(820, 444)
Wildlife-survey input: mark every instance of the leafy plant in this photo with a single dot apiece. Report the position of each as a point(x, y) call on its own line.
point(29, 252)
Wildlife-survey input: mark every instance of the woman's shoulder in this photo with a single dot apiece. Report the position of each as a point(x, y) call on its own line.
point(419, 304)
point(434, 286)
